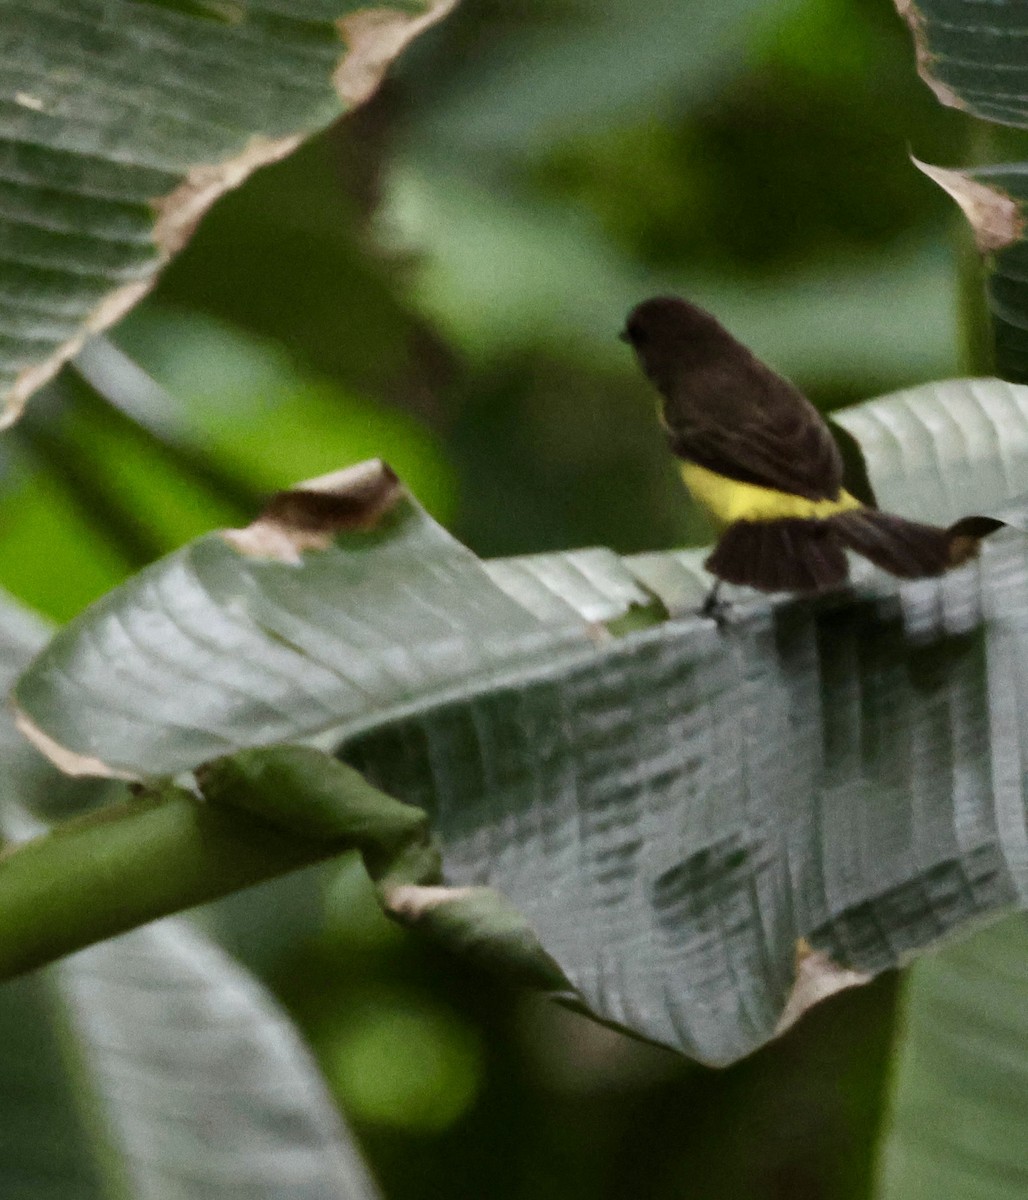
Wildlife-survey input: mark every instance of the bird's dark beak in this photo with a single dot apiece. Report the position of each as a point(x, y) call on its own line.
point(624, 336)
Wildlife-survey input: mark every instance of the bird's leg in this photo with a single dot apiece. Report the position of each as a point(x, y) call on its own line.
point(714, 607)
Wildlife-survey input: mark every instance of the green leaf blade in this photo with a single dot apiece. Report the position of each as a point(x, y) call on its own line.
point(707, 827)
point(959, 1105)
point(208, 1093)
point(148, 1065)
point(121, 123)
point(970, 62)
point(246, 633)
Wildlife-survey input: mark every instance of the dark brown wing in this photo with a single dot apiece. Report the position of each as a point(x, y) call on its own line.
point(740, 419)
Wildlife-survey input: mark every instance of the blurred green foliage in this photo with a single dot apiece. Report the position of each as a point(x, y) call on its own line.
point(438, 280)
point(797, 158)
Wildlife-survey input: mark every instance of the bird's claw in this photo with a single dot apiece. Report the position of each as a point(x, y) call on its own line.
point(714, 607)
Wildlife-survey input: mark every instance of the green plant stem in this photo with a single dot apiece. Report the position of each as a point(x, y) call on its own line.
point(263, 813)
point(109, 872)
point(57, 454)
point(105, 397)
point(977, 339)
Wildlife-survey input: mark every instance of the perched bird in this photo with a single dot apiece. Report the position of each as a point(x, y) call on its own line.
point(762, 462)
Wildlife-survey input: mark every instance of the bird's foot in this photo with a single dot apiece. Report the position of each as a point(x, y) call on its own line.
point(715, 607)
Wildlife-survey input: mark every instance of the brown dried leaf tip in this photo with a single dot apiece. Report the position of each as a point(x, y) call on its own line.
point(177, 215)
point(925, 58)
point(817, 978)
point(309, 516)
point(994, 216)
point(71, 762)
point(374, 37)
point(409, 902)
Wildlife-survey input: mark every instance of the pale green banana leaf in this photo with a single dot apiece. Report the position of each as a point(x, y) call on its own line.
point(707, 828)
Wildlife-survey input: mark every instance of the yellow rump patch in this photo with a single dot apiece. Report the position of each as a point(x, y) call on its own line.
point(727, 500)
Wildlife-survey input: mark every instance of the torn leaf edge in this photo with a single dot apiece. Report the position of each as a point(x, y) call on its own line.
point(373, 38)
point(995, 218)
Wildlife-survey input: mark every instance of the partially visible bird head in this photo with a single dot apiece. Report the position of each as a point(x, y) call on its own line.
point(668, 334)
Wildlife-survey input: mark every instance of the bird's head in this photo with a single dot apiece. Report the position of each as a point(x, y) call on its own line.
point(669, 334)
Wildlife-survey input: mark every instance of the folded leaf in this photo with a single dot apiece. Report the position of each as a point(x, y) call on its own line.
point(706, 826)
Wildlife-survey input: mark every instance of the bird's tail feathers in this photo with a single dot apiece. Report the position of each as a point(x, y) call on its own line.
point(801, 555)
point(904, 548)
point(789, 555)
